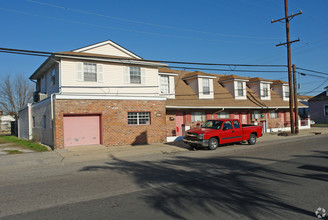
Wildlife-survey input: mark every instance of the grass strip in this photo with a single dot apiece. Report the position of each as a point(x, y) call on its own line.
point(319, 125)
point(13, 151)
point(23, 143)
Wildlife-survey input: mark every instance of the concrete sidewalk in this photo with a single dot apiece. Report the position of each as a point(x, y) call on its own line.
point(99, 152)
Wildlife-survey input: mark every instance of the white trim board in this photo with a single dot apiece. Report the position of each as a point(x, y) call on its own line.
point(99, 97)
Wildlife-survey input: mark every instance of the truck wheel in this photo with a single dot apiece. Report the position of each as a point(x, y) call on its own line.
point(213, 143)
point(252, 139)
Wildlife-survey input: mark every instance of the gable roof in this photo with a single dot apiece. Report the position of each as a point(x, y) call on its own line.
point(198, 73)
point(258, 79)
point(278, 82)
point(322, 96)
point(231, 77)
point(106, 48)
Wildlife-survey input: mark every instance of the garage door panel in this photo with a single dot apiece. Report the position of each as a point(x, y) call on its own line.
point(81, 130)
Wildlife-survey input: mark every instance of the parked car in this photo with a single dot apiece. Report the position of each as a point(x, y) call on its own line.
point(222, 131)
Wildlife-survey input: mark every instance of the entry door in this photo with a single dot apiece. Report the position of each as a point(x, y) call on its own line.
point(81, 130)
point(179, 123)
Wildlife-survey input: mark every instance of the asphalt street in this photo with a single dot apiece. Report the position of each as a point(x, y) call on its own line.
point(283, 180)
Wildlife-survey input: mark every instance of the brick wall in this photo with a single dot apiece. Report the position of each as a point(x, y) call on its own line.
point(170, 124)
point(115, 129)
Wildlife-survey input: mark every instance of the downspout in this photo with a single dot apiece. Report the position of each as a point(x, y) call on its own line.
point(52, 106)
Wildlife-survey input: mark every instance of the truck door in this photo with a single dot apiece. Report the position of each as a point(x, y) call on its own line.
point(238, 131)
point(229, 134)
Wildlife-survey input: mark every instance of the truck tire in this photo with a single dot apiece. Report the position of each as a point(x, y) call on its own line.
point(213, 143)
point(252, 139)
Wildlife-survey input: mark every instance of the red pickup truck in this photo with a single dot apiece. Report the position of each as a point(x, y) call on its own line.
point(222, 131)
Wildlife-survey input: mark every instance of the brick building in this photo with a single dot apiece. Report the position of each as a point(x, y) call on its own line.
point(105, 94)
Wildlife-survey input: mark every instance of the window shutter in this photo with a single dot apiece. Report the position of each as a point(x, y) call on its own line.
point(143, 76)
point(126, 75)
point(79, 68)
point(100, 74)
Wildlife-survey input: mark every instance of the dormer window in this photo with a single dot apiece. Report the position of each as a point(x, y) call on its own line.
point(281, 88)
point(206, 86)
point(201, 83)
point(286, 92)
point(260, 87)
point(265, 90)
point(165, 84)
point(236, 85)
point(240, 88)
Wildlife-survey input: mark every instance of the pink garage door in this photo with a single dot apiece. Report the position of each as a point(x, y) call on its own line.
point(81, 130)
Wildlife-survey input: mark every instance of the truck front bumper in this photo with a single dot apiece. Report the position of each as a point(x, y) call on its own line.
point(203, 143)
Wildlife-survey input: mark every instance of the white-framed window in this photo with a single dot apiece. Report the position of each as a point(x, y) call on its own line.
point(273, 114)
point(135, 75)
point(138, 118)
point(90, 72)
point(326, 110)
point(265, 90)
point(44, 121)
point(286, 92)
point(256, 115)
point(240, 89)
point(198, 116)
point(206, 86)
point(53, 76)
point(165, 84)
point(223, 115)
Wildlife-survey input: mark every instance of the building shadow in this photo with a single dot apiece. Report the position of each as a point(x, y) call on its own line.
point(141, 139)
point(185, 185)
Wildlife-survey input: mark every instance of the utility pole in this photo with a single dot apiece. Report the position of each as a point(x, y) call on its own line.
point(295, 99)
point(290, 80)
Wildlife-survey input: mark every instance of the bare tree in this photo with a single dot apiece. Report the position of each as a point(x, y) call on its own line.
point(15, 92)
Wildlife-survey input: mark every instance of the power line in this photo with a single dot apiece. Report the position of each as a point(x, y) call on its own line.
point(160, 61)
point(313, 71)
point(211, 69)
point(46, 54)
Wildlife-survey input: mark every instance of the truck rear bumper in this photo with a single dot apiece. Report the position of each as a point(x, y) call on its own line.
point(203, 143)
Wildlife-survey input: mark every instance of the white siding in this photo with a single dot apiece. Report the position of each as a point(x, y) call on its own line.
point(113, 81)
point(39, 133)
point(5, 124)
point(108, 50)
point(258, 89)
point(24, 123)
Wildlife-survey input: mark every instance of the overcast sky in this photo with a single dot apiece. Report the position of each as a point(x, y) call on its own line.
point(210, 31)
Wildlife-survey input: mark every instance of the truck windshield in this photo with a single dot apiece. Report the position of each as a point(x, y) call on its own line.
point(212, 124)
